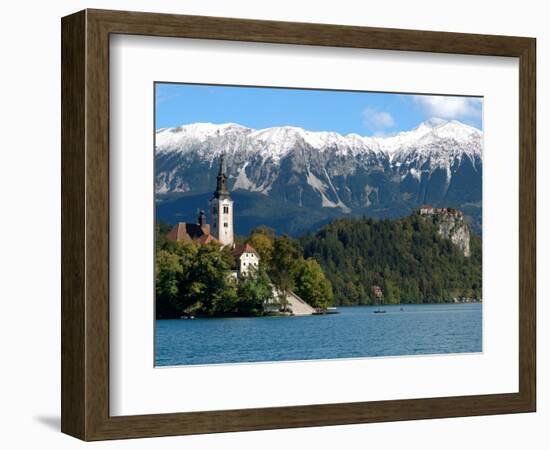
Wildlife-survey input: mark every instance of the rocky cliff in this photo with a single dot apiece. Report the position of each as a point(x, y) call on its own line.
point(451, 225)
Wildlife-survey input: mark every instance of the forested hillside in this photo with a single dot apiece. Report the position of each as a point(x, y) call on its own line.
point(406, 257)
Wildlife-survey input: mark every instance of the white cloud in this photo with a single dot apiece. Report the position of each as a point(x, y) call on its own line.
point(377, 120)
point(449, 107)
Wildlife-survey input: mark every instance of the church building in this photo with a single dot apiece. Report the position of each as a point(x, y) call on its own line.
point(192, 232)
point(221, 232)
point(221, 209)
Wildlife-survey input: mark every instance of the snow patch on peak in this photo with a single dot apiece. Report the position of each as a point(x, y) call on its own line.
point(457, 130)
point(202, 129)
point(244, 183)
point(321, 188)
point(276, 142)
point(208, 140)
point(434, 135)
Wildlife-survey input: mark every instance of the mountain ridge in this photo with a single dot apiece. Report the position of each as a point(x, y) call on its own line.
point(282, 135)
point(437, 162)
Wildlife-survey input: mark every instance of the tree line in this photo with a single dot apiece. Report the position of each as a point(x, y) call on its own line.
point(193, 279)
point(338, 265)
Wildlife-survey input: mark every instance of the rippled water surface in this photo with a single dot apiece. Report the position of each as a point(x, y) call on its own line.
point(355, 332)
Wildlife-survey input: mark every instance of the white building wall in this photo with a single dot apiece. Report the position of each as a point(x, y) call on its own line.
point(221, 211)
point(248, 261)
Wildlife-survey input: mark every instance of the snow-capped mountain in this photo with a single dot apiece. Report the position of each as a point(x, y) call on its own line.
point(321, 174)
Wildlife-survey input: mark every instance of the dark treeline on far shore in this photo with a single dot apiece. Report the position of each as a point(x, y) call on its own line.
point(347, 262)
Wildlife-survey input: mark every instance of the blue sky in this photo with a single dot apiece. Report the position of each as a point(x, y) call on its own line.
point(345, 112)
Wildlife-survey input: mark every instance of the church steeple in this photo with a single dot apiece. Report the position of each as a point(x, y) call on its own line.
point(221, 208)
point(221, 191)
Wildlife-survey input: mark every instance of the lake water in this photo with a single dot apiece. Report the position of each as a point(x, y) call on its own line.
point(355, 332)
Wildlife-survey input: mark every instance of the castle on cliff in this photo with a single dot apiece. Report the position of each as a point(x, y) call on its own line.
point(428, 210)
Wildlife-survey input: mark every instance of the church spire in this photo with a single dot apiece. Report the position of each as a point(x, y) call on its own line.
point(221, 186)
point(222, 164)
point(221, 208)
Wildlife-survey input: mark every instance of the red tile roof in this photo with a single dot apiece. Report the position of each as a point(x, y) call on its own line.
point(244, 248)
point(187, 232)
point(207, 239)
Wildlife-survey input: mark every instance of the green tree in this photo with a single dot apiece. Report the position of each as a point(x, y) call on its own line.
point(311, 284)
point(172, 263)
point(282, 267)
point(286, 255)
point(161, 229)
point(207, 286)
point(283, 287)
point(262, 240)
point(168, 269)
point(391, 292)
point(253, 292)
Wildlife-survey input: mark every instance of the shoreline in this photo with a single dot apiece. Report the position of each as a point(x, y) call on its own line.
point(333, 312)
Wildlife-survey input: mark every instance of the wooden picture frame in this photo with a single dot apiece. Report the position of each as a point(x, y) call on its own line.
point(85, 224)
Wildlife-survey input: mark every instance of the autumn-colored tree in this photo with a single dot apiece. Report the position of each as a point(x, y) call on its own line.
point(262, 239)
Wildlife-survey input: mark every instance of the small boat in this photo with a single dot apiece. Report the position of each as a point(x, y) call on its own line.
point(379, 311)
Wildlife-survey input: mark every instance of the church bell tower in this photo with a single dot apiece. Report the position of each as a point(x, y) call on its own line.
point(221, 209)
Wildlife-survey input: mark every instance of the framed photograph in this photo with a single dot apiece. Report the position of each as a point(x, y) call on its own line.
point(274, 225)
